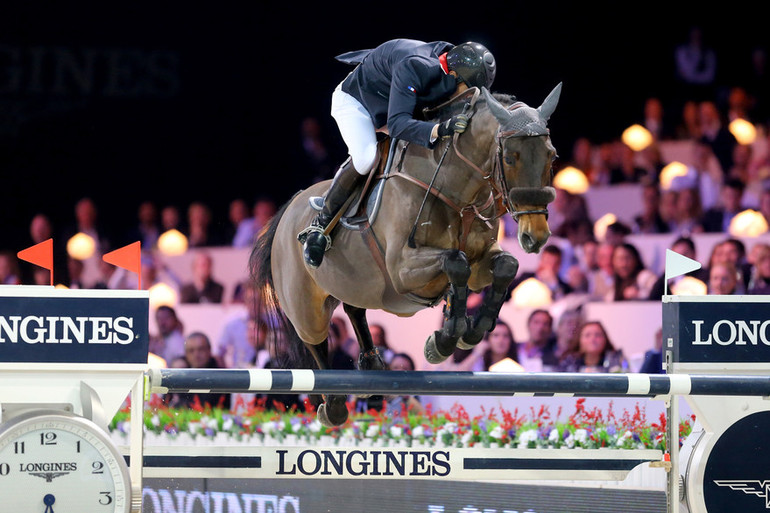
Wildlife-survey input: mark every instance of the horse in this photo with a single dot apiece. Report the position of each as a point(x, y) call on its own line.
point(433, 239)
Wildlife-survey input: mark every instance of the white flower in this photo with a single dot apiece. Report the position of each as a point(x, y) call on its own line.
point(418, 431)
point(581, 436)
point(466, 437)
point(622, 439)
point(155, 420)
point(528, 436)
point(570, 440)
point(315, 426)
point(227, 424)
point(396, 431)
point(553, 436)
point(497, 432)
point(209, 422)
point(270, 426)
point(193, 427)
point(125, 427)
point(372, 430)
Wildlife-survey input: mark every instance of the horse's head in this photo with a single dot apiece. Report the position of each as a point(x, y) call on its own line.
point(524, 165)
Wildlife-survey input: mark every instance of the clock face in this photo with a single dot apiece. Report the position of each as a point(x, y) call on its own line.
point(57, 463)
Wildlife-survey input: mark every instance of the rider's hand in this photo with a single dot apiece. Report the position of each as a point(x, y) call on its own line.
point(456, 123)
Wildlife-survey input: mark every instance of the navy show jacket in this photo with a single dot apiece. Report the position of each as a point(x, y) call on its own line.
point(395, 80)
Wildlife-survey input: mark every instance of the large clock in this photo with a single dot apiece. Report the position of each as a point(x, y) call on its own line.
point(56, 462)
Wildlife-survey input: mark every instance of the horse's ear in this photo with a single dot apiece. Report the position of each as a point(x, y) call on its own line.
point(549, 105)
point(501, 114)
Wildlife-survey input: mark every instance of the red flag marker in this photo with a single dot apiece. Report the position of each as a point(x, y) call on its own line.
point(40, 254)
point(129, 258)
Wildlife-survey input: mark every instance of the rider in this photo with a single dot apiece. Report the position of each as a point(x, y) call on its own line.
point(389, 84)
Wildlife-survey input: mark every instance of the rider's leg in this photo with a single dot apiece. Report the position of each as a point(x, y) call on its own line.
point(358, 132)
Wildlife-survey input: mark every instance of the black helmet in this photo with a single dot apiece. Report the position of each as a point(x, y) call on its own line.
point(473, 63)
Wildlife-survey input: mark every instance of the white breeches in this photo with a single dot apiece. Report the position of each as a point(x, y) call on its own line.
point(356, 128)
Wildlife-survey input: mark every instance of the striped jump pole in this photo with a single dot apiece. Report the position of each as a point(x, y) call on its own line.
point(452, 383)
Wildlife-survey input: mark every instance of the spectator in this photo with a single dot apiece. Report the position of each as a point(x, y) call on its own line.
point(631, 280)
point(536, 349)
point(203, 288)
point(197, 353)
point(87, 222)
point(723, 279)
point(199, 228)
point(169, 341)
point(696, 65)
point(733, 252)
point(395, 404)
point(496, 346)
point(592, 351)
point(649, 219)
point(547, 272)
point(238, 213)
point(718, 217)
point(689, 212)
point(147, 229)
point(653, 359)
point(760, 270)
point(715, 134)
point(626, 170)
point(600, 280)
point(566, 331)
point(249, 228)
point(9, 269)
point(40, 230)
point(171, 219)
point(235, 350)
point(380, 340)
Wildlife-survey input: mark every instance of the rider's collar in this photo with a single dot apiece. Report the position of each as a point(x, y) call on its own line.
point(444, 65)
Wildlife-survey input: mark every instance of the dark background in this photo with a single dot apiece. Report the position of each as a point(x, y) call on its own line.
point(182, 103)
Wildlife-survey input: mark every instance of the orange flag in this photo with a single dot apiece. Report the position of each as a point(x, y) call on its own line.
point(129, 258)
point(40, 254)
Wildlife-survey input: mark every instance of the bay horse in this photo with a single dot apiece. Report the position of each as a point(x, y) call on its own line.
point(434, 236)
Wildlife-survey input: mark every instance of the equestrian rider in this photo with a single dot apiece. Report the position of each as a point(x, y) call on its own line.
point(389, 84)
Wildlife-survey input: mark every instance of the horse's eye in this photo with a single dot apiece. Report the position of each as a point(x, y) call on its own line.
point(510, 158)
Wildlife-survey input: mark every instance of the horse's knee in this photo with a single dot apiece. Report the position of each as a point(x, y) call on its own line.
point(504, 268)
point(456, 266)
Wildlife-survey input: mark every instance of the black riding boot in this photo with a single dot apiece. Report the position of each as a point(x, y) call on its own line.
point(315, 241)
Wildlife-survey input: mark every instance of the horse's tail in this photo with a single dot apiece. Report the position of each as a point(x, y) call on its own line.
point(260, 269)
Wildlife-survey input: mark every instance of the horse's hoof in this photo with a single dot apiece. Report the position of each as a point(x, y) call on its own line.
point(371, 360)
point(333, 412)
point(432, 352)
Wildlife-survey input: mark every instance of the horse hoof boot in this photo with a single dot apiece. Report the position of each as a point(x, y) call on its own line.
point(333, 412)
point(432, 352)
point(371, 360)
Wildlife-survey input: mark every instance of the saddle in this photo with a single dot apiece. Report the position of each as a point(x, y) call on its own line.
point(363, 205)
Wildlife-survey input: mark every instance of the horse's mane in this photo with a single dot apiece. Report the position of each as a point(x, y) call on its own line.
point(456, 104)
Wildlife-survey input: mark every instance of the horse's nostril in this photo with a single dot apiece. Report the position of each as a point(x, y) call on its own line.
point(526, 241)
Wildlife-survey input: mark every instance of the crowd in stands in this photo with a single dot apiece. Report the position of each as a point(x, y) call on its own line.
point(723, 178)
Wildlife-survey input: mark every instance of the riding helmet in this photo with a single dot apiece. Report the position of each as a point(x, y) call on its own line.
point(473, 63)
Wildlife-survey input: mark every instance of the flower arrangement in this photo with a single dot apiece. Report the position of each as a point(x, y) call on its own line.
point(583, 428)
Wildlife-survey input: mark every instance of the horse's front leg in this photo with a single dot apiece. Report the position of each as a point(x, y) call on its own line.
point(369, 356)
point(504, 267)
point(441, 344)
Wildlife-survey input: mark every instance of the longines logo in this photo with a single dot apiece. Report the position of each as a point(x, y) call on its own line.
point(35, 329)
point(48, 471)
point(726, 332)
point(749, 487)
point(353, 463)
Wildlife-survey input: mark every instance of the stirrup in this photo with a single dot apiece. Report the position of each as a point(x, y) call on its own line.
point(313, 228)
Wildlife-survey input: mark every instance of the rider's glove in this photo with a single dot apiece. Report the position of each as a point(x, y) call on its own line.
point(456, 123)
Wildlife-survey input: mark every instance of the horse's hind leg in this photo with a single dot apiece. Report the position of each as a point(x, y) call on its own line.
point(441, 344)
point(504, 269)
point(334, 410)
point(369, 358)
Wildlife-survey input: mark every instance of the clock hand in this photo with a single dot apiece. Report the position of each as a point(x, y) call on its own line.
point(48, 500)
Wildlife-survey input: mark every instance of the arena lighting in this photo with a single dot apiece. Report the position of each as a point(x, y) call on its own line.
point(531, 293)
point(748, 223)
point(689, 286)
point(601, 224)
point(506, 365)
point(81, 246)
point(155, 361)
point(161, 294)
point(636, 137)
point(671, 171)
point(172, 243)
point(572, 180)
point(745, 132)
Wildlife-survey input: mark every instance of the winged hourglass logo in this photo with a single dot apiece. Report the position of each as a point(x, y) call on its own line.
point(749, 487)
